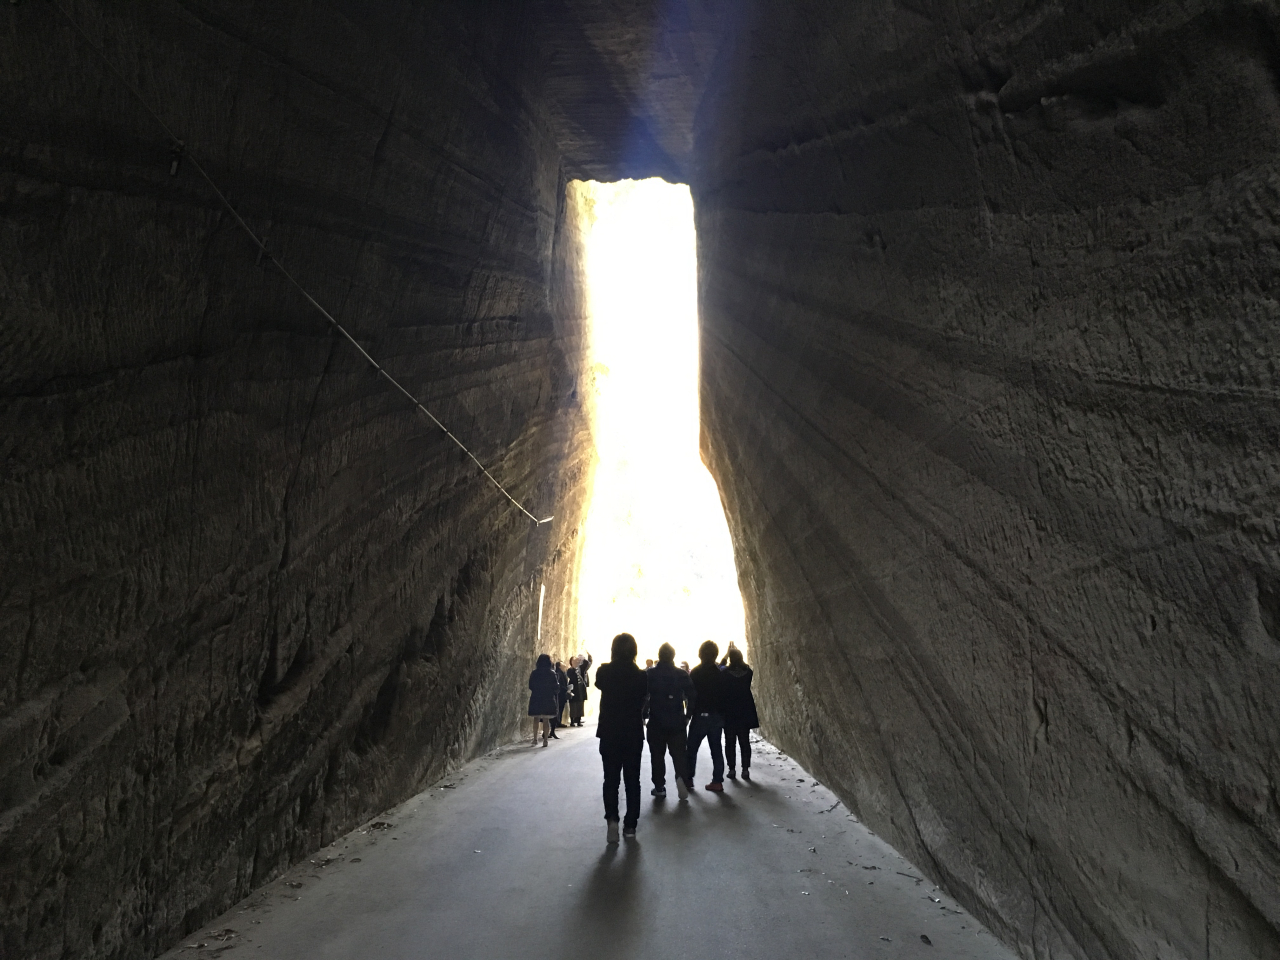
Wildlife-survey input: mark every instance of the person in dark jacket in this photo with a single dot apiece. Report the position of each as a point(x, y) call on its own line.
point(708, 715)
point(562, 698)
point(740, 716)
point(543, 687)
point(671, 701)
point(578, 703)
point(575, 682)
point(623, 691)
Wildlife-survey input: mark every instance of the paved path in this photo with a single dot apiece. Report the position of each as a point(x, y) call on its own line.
point(507, 859)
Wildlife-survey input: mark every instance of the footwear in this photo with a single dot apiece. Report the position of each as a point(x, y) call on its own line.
point(715, 787)
point(554, 737)
point(612, 835)
point(682, 789)
point(732, 775)
point(659, 792)
point(629, 832)
point(746, 774)
point(544, 741)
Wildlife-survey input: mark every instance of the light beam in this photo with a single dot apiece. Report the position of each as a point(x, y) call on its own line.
point(657, 558)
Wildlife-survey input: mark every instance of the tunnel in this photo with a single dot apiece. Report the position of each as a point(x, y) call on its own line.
point(988, 336)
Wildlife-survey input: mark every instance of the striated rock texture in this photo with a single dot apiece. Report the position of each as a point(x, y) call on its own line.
point(989, 385)
point(624, 80)
point(990, 336)
point(249, 597)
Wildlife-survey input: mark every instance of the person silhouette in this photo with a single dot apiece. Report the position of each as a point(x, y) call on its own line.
point(562, 698)
point(708, 715)
point(740, 715)
point(543, 690)
point(671, 701)
point(578, 702)
point(623, 692)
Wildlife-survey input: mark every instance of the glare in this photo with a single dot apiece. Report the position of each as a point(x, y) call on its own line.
point(657, 558)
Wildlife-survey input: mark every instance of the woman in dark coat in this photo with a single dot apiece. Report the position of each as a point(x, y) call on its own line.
point(739, 712)
point(562, 698)
point(544, 686)
point(577, 702)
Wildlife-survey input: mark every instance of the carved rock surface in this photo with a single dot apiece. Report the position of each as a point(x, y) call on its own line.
point(989, 385)
point(248, 596)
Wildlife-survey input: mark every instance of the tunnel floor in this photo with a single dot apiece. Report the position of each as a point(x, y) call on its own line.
point(507, 859)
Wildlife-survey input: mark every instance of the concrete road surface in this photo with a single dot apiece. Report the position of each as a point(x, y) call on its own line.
point(507, 859)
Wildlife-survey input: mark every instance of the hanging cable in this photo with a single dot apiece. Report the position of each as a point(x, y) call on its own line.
point(178, 153)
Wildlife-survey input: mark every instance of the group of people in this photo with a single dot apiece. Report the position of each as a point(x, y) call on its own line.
point(682, 707)
point(552, 688)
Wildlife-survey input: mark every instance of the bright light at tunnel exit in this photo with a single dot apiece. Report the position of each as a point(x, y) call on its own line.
point(657, 558)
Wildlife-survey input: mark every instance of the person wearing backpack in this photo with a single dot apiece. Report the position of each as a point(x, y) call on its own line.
point(671, 699)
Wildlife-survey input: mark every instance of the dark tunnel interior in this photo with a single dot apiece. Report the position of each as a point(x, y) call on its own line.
point(989, 336)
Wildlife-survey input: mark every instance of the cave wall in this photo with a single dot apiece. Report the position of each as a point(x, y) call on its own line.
point(248, 597)
point(988, 387)
point(989, 346)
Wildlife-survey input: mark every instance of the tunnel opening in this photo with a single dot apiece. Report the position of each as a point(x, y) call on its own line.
point(657, 558)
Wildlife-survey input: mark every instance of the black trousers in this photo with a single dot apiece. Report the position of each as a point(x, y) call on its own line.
point(662, 739)
point(622, 761)
point(732, 739)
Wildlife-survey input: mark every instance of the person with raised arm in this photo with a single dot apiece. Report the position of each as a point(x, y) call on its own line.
point(577, 703)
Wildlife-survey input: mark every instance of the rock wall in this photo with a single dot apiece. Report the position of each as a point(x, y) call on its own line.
point(249, 597)
point(990, 337)
point(624, 81)
point(989, 386)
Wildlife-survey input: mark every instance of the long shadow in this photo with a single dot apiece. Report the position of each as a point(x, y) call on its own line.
point(608, 914)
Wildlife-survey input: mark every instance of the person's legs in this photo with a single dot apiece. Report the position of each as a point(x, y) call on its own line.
point(657, 747)
point(631, 779)
point(715, 730)
point(744, 741)
point(730, 741)
point(679, 748)
point(697, 730)
point(575, 712)
point(611, 757)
